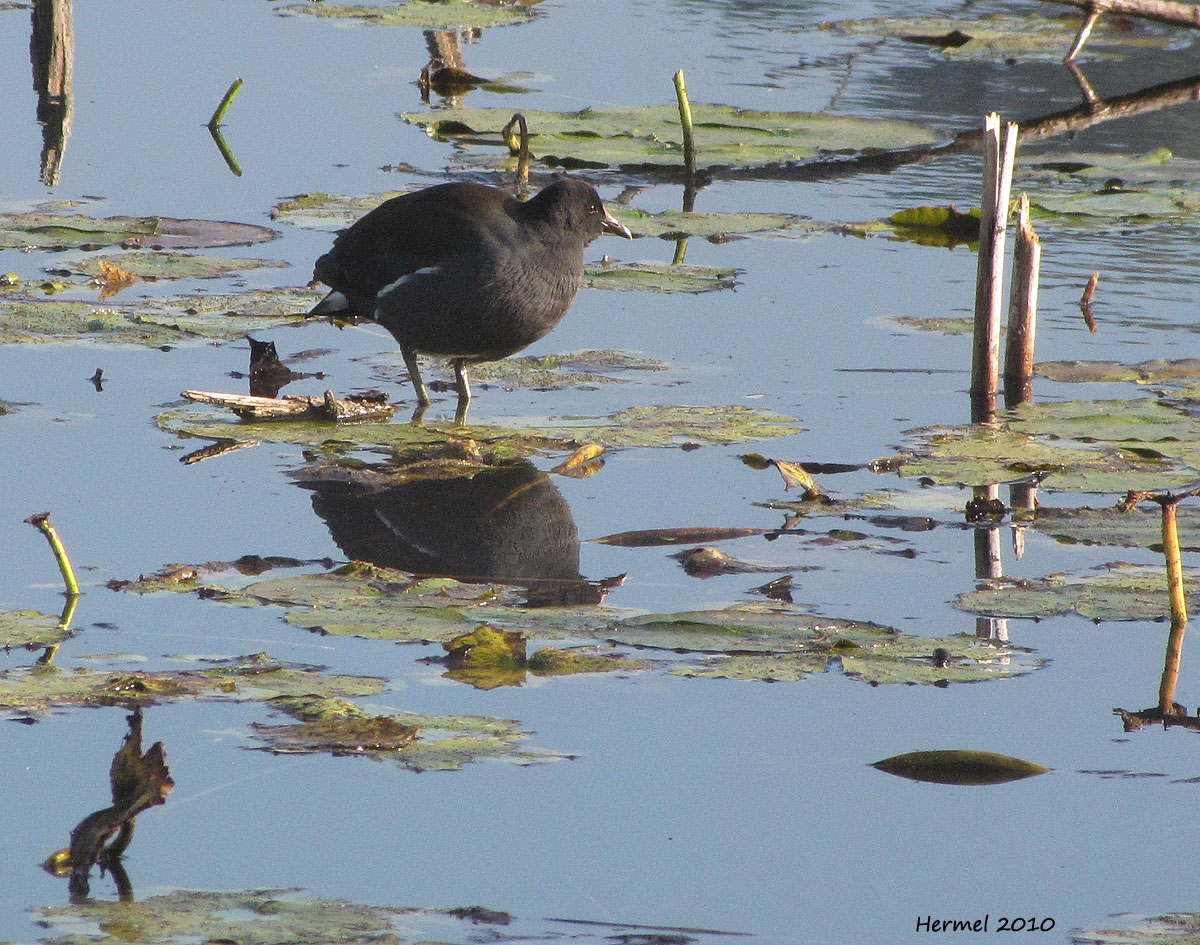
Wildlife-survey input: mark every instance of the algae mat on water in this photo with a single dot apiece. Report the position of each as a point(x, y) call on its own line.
point(649, 138)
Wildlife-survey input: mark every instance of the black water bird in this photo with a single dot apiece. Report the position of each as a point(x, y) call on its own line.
point(465, 271)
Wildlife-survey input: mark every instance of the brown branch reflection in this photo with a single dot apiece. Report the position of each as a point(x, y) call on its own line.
point(52, 54)
point(137, 780)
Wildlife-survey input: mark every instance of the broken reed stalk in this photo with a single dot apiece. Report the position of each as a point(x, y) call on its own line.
point(1178, 602)
point(685, 120)
point(521, 146)
point(41, 522)
point(1022, 311)
point(230, 95)
point(993, 221)
point(1085, 303)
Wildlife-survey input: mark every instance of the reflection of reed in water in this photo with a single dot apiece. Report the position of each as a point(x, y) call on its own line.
point(508, 524)
point(52, 54)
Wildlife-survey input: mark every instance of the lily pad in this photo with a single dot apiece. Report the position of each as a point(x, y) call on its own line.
point(650, 138)
point(999, 36)
point(417, 742)
point(28, 628)
point(1114, 591)
point(674, 224)
point(1175, 928)
point(659, 277)
point(1103, 446)
point(147, 265)
point(154, 323)
point(941, 325)
point(1139, 527)
point(256, 917)
point(327, 210)
point(777, 643)
point(39, 689)
point(557, 371)
point(638, 426)
point(442, 15)
point(51, 231)
point(1157, 370)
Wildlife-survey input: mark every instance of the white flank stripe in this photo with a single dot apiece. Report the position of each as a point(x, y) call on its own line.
point(392, 286)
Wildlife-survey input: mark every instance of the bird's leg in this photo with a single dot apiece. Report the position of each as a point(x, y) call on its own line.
point(414, 375)
point(464, 389)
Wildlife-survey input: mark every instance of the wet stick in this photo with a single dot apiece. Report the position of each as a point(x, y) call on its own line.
point(230, 95)
point(41, 522)
point(685, 121)
point(993, 221)
point(1022, 312)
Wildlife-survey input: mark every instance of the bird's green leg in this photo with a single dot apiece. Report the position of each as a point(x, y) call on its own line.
point(414, 375)
point(464, 389)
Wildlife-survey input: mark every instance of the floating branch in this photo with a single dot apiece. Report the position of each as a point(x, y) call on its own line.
point(230, 95)
point(41, 522)
point(295, 407)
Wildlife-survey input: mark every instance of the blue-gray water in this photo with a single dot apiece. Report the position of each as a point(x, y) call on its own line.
point(741, 806)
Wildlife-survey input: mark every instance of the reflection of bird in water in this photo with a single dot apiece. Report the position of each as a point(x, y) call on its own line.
point(464, 270)
point(508, 524)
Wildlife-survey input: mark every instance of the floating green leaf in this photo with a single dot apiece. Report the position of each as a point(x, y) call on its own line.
point(999, 36)
point(51, 231)
point(28, 628)
point(40, 688)
point(674, 224)
point(325, 210)
point(638, 426)
point(1139, 527)
point(650, 138)
point(1103, 446)
point(442, 15)
point(659, 277)
point(936, 226)
point(149, 265)
point(154, 323)
point(959, 767)
point(1114, 591)
point(556, 371)
point(1157, 370)
point(417, 742)
point(945, 326)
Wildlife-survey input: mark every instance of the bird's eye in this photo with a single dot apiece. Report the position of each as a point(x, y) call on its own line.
point(594, 208)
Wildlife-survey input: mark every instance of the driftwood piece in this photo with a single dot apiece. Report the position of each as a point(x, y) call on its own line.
point(293, 407)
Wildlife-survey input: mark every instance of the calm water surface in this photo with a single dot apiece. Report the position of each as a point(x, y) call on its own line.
point(706, 803)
